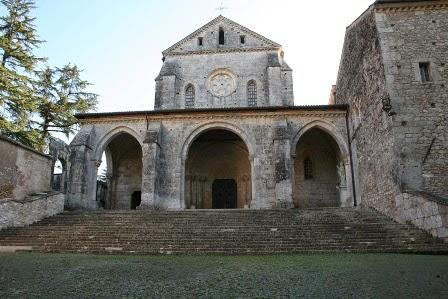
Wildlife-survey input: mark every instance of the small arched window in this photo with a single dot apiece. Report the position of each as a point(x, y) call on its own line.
point(252, 93)
point(221, 36)
point(189, 96)
point(308, 168)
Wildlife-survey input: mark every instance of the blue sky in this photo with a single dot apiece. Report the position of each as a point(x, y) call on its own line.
point(118, 44)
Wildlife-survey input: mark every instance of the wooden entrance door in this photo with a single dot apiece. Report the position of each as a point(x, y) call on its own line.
point(224, 194)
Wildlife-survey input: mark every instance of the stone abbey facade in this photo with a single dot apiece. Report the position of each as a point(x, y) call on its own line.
point(225, 132)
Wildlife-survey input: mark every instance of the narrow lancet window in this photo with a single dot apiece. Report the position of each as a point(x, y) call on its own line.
point(200, 41)
point(252, 93)
point(221, 36)
point(424, 71)
point(308, 169)
point(189, 96)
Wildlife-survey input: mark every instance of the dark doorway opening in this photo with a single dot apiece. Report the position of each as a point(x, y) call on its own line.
point(224, 194)
point(217, 154)
point(136, 199)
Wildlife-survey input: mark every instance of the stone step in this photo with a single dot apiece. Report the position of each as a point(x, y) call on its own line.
point(221, 231)
point(245, 250)
point(301, 236)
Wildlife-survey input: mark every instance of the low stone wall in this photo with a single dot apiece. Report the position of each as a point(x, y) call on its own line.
point(23, 170)
point(29, 210)
point(424, 211)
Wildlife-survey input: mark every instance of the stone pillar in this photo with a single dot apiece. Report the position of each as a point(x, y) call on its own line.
point(168, 92)
point(344, 195)
point(275, 86)
point(246, 191)
point(81, 187)
point(150, 151)
point(282, 164)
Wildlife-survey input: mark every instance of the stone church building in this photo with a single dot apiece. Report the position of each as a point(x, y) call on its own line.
point(225, 134)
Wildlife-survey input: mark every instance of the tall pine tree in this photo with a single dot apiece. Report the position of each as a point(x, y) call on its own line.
point(35, 103)
point(62, 94)
point(18, 39)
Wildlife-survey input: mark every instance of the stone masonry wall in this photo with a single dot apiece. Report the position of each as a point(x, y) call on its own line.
point(242, 56)
point(361, 84)
point(424, 212)
point(30, 210)
point(409, 37)
point(23, 171)
point(399, 150)
point(180, 71)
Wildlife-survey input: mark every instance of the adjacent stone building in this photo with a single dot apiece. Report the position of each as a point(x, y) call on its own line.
point(394, 77)
point(225, 133)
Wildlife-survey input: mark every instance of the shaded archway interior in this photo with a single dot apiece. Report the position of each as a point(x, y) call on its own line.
point(319, 173)
point(124, 173)
point(218, 172)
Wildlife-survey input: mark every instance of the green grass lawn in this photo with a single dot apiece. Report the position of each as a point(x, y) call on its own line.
point(30, 275)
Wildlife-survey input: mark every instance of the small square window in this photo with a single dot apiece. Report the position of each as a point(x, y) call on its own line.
point(200, 42)
point(308, 169)
point(425, 74)
point(242, 39)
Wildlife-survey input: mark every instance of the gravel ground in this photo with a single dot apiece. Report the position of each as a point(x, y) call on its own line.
point(31, 275)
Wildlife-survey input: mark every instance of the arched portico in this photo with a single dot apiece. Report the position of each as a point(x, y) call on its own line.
point(216, 154)
point(321, 164)
point(122, 147)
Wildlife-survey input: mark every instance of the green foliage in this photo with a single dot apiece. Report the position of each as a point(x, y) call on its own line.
point(61, 93)
point(18, 39)
point(34, 103)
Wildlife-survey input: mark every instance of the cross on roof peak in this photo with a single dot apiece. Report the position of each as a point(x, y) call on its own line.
point(221, 8)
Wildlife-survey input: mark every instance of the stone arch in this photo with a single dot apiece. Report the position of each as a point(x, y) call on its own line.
point(340, 145)
point(216, 126)
point(60, 154)
point(109, 136)
point(121, 187)
point(328, 128)
point(101, 147)
point(209, 127)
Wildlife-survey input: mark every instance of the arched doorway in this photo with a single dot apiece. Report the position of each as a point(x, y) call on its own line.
point(120, 174)
point(319, 171)
point(217, 172)
point(59, 175)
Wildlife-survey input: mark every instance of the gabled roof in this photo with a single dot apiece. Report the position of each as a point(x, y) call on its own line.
point(216, 20)
point(398, 1)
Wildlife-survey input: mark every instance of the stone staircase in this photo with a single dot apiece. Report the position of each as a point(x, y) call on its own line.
point(221, 232)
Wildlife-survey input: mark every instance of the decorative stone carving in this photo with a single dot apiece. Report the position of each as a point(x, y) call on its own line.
point(341, 175)
point(222, 83)
point(151, 137)
point(282, 132)
point(98, 163)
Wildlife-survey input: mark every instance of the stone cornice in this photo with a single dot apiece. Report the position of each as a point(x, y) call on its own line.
point(337, 111)
point(402, 6)
point(221, 51)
